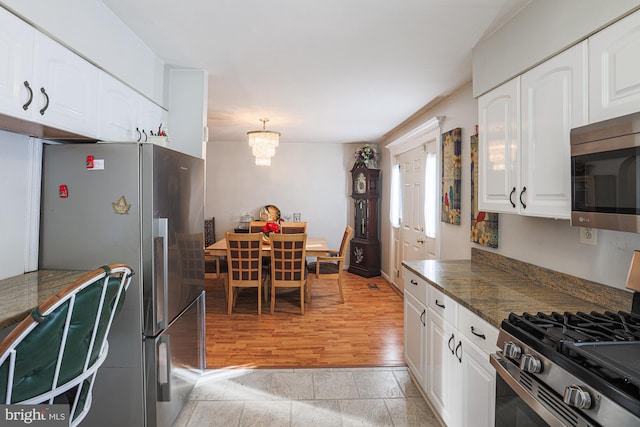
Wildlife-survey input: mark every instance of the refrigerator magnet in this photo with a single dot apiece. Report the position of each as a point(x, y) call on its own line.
point(121, 207)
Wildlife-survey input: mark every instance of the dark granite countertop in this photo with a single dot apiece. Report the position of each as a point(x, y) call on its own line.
point(492, 293)
point(20, 294)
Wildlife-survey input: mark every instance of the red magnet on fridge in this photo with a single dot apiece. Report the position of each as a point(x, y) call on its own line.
point(89, 162)
point(63, 192)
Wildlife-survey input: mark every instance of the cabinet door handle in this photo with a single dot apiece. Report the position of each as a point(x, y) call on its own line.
point(422, 317)
point(145, 136)
point(439, 305)
point(511, 197)
point(413, 282)
point(450, 344)
point(25, 107)
point(459, 346)
point(473, 331)
point(139, 135)
point(46, 105)
point(524, 206)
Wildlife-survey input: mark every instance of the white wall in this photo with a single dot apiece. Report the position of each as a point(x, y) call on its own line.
point(14, 176)
point(91, 29)
point(312, 179)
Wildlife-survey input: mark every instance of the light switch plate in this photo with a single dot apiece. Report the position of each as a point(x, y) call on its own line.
point(588, 235)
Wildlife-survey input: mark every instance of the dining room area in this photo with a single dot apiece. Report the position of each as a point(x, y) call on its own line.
point(327, 353)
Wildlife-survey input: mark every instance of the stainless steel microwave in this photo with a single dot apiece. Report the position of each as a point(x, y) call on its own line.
point(605, 190)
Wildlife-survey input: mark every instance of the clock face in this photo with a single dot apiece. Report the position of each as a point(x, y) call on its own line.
point(361, 183)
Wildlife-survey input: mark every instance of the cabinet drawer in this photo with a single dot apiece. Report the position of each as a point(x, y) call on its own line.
point(474, 328)
point(416, 286)
point(444, 305)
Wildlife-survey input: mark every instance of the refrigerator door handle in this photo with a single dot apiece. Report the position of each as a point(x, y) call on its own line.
point(161, 233)
point(163, 354)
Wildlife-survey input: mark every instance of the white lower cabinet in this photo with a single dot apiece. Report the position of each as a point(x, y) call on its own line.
point(447, 350)
point(415, 315)
point(442, 369)
point(415, 325)
point(476, 387)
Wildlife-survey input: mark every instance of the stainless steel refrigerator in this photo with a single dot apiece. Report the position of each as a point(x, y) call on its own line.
point(142, 205)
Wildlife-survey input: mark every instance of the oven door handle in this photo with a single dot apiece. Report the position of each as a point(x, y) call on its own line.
point(500, 363)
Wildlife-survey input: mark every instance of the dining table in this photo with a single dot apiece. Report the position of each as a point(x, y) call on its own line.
point(316, 246)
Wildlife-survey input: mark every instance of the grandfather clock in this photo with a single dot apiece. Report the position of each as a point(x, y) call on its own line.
point(364, 250)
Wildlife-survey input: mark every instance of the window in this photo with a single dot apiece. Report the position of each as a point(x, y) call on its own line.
point(430, 199)
point(395, 211)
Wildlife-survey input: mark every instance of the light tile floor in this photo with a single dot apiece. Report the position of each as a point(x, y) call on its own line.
point(306, 397)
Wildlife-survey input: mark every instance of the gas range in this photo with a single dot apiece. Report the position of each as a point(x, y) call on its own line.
point(574, 369)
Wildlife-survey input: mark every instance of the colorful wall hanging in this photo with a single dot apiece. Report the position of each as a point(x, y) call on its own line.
point(451, 176)
point(484, 225)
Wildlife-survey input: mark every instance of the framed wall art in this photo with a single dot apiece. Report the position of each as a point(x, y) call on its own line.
point(451, 176)
point(484, 225)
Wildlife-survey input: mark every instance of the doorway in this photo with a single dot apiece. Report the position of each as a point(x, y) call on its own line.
point(415, 236)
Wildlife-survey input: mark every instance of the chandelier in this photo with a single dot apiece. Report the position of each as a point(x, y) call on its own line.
point(263, 144)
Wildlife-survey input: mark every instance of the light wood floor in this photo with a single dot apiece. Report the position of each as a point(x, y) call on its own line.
point(367, 330)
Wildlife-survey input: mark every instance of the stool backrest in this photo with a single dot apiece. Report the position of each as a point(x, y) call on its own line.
point(55, 353)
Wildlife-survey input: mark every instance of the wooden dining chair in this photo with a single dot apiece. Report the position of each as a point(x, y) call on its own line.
point(215, 267)
point(288, 270)
point(52, 356)
point(244, 263)
point(293, 228)
point(256, 226)
point(331, 266)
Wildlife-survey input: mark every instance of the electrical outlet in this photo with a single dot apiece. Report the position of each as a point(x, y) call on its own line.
point(588, 235)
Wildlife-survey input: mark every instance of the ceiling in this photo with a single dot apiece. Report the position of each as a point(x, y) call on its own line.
point(326, 71)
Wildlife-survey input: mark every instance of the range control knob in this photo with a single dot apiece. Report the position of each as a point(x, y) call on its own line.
point(530, 364)
point(511, 350)
point(576, 396)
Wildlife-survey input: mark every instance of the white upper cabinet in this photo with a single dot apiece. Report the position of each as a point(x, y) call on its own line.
point(43, 82)
point(553, 101)
point(498, 148)
point(150, 117)
point(16, 66)
point(124, 114)
point(524, 126)
point(67, 86)
point(117, 110)
point(614, 70)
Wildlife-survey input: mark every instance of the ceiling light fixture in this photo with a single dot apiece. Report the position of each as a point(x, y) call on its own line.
point(263, 144)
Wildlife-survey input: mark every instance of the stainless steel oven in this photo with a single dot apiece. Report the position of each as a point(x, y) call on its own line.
point(568, 369)
point(604, 177)
point(512, 410)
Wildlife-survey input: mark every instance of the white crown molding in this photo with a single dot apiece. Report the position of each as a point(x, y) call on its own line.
point(415, 137)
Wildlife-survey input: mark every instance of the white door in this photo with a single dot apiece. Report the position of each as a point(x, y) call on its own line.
point(412, 178)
